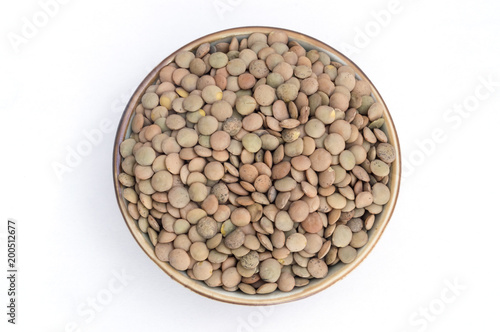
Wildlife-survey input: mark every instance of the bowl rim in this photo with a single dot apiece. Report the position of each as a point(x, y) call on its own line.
point(225, 296)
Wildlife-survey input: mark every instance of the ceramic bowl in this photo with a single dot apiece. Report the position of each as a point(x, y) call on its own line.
point(336, 272)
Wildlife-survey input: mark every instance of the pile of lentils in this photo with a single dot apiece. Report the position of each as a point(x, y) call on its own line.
point(254, 164)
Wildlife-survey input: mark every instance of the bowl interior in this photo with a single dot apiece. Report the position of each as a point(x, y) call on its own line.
point(336, 272)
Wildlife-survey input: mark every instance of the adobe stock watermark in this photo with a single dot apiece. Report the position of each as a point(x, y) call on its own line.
point(255, 319)
point(429, 313)
point(75, 154)
point(31, 25)
point(93, 305)
point(224, 6)
point(364, 36)
point(453, 119)
point(92, 138)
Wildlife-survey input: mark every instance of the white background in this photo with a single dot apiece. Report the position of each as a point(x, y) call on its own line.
point(78, 71)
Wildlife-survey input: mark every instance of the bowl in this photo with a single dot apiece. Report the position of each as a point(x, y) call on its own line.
point(336, 272)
